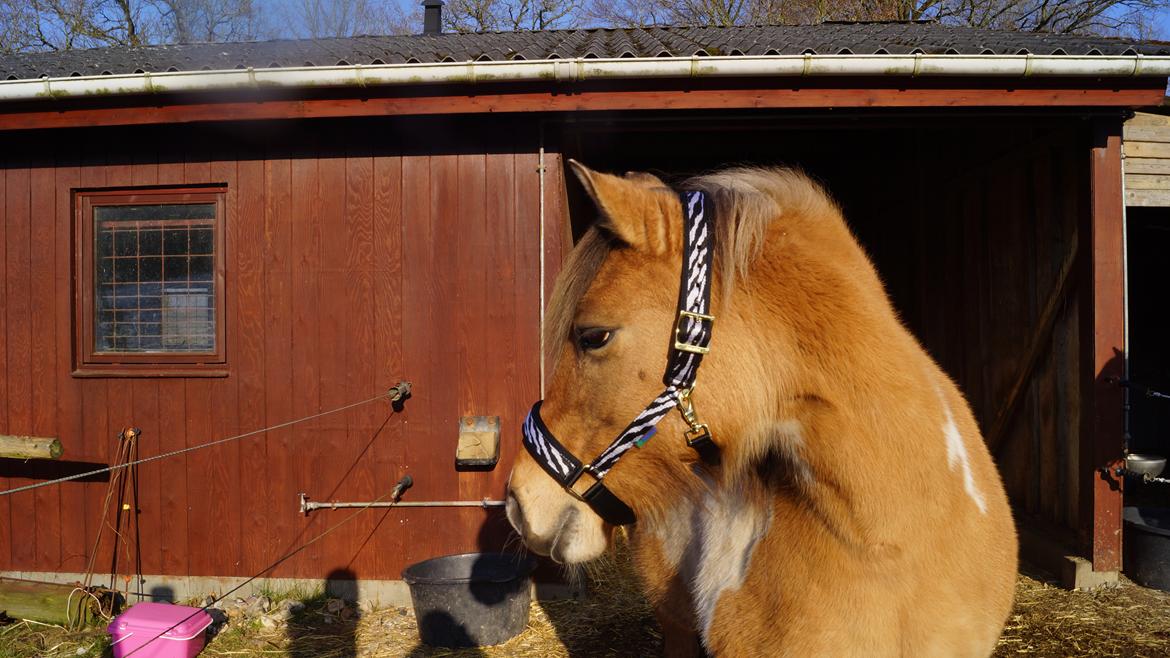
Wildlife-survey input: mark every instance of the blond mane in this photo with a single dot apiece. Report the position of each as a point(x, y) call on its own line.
point(747, 201)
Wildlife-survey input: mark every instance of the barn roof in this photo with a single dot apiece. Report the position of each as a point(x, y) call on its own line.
point(863, 38)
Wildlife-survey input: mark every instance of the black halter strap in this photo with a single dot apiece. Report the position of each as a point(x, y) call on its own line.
point(690, 338)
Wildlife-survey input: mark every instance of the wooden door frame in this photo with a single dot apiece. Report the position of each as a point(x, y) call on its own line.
point(1102, 314)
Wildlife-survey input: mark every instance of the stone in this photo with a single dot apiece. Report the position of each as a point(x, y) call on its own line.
point(292, 605)
point(255, 606)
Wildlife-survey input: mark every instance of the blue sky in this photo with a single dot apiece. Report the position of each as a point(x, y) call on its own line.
point(1161, 17)
point(1162, 20)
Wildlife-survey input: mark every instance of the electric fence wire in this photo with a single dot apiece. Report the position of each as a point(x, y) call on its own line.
point(396, 393)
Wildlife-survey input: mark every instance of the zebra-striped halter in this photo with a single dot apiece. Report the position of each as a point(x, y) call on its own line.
point(692, 335)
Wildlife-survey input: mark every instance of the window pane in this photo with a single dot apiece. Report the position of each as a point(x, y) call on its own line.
point(154, 278)
point(125, 269)
point(201, 268)
point(158, 212)
point(201, 241)
point(175, 242)
point(149, 242)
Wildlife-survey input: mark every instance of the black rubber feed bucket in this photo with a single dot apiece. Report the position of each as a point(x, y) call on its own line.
point(474, 599)
point(1147, 546)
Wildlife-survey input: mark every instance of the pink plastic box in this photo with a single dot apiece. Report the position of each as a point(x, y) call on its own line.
point(136, 631)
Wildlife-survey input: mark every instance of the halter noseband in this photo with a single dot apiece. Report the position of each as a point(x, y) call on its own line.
point(692, 335)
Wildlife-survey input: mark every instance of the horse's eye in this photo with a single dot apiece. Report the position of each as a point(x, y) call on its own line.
point(593, 338)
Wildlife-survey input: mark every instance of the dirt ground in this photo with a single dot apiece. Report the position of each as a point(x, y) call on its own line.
point(1127, 621)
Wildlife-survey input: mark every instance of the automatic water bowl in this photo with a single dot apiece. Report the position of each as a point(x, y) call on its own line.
point(1145, 466)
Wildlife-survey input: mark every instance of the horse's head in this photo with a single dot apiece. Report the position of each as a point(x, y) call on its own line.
point(610, 328)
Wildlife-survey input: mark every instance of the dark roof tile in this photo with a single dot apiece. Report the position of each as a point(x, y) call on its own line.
point(828, 38)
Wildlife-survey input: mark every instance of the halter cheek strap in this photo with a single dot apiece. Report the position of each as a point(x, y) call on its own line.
point(690, 339)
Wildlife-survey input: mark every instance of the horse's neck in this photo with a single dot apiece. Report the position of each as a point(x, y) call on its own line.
point(858, 407)
point(845, 435)
point(704, 542)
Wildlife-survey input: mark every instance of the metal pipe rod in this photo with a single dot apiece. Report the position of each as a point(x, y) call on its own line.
point(569, 70)
point(307, 505)
point(413, 503)
point(1144, 477)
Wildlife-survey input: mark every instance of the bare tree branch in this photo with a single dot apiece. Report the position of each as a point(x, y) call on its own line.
point(46, 25)
point(495, 15)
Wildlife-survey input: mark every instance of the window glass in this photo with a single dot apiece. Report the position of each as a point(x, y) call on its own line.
point(154, 283)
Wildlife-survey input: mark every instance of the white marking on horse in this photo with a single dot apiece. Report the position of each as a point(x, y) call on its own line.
point(957, 454)
point(730, 528)
point(674, 536)
point(710, 544)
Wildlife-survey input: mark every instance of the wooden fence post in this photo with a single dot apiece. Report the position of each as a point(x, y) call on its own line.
point(1103, 357)
point(29, 447)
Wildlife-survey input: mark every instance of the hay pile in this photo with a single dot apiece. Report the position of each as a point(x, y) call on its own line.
point(1125, 621)
point(613, 621)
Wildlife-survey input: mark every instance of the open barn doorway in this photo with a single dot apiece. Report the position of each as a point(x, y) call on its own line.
point(973, 222)
point(1149, 344)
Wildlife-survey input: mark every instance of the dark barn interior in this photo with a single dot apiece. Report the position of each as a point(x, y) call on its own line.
point(972, 221)
point(1149, 316)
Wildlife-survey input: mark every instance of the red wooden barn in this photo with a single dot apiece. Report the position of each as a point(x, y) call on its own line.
point(206, 240)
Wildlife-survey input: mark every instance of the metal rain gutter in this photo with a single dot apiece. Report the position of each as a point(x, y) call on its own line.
point(581, 69)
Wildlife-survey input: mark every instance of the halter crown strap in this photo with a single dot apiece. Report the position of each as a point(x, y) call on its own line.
point(690, 338)
point(692, 328)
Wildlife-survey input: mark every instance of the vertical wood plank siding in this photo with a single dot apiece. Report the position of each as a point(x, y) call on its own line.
point(358, 254)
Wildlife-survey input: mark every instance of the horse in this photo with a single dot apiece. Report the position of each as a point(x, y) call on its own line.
point(853, 509)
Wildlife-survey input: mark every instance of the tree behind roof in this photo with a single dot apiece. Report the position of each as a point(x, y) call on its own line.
point(47, 25)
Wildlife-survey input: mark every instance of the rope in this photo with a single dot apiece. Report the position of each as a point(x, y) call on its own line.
point(394, 494)
point(81, 609)
point(395, 393)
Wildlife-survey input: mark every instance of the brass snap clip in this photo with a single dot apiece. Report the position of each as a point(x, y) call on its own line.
point(697, 434)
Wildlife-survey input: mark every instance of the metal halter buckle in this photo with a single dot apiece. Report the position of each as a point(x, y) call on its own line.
point(576, 475)
point(682, 346)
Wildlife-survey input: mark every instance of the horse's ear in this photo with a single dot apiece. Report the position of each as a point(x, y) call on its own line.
point(643, 215)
